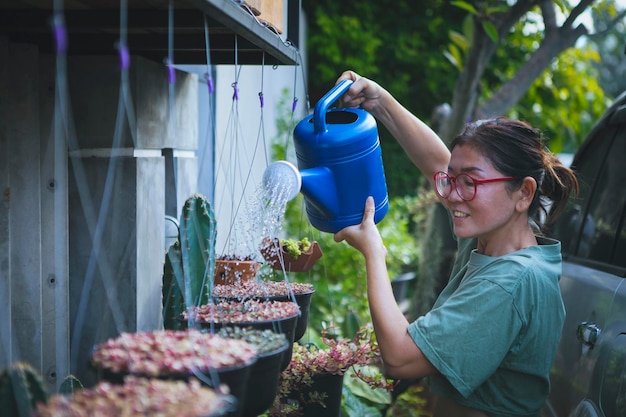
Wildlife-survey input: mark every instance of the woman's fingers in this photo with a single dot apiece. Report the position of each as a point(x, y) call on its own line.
point(368, 217)
point(368, 214)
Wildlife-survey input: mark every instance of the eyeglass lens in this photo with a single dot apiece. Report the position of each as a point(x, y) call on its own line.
point(464, 184)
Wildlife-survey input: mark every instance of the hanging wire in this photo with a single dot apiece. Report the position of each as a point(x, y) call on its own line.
point(171, 71)
point(60, 140)
point(97, 261)
point(209, 70)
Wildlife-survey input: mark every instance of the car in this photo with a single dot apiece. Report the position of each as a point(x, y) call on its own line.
point(588, 377)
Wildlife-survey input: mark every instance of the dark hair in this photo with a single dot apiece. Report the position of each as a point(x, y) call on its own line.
point(517, 149)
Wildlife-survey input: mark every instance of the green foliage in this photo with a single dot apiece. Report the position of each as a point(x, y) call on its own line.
point(410, 403)
point(360, 405)
point(610, 47)
point(21, 388)
point(360, 399)
point(417, 53)
point(190, 261)
point(565, 100)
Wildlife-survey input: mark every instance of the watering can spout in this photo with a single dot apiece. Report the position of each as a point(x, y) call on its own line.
point(316, 184)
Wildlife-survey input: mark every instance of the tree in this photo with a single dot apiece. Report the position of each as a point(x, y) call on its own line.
point(491, 23)
point(611, 46)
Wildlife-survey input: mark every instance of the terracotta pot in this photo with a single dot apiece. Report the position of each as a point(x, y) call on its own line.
point(278, 258)
point(234, 271)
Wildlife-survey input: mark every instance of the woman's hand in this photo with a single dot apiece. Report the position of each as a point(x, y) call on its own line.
point(363, 93)
point(364, 237)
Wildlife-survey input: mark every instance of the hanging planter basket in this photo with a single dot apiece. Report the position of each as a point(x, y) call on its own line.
point(141, 397)
point(278, 256)
point(278, 316)
point(329, 386)
point(263, 381)
point(271, 291)
point(178, 355)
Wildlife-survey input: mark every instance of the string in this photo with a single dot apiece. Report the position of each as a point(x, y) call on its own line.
point(96, 259)
point(60, 132)
point(209, 73)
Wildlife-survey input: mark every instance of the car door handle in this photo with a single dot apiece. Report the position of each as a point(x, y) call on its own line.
point(588, 333)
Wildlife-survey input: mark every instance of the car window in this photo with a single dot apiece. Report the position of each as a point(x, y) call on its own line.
point(568, 228)
point(601, 225)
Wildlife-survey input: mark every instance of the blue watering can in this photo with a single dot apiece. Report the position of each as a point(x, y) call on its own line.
point(340, 164)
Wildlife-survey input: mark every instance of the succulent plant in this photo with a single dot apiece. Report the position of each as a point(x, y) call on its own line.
point(247, 311)
point(291, 255)
point(190, 261)
point(139, 397)
point(169, 352)
point(265, 341)
point(261, 289)
point(21, 388)
point(296, 247)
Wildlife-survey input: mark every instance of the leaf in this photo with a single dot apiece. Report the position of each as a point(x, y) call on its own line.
point(360, 388)
point(491, 31)
point(468, 28)
point(496, 9)
point(459, 40)
point(454, 56)
point(465, 6)
point(353, 406)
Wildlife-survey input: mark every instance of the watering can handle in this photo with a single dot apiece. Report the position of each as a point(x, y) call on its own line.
point(319, 115)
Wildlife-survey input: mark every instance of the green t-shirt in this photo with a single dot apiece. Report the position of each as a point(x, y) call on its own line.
point(494, 330)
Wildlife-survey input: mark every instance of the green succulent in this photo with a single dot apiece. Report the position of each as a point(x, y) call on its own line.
point(296, 247)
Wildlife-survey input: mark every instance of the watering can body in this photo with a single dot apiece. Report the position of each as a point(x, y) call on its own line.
point(340, 162)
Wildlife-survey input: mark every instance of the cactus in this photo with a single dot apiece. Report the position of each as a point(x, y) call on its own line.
point(190, 261)
point(70, 385)
point(21, 388)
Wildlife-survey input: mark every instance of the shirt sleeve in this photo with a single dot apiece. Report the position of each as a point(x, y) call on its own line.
point(467, 338)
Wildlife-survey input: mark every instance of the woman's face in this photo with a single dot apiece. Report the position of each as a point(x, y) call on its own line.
point(491, 213)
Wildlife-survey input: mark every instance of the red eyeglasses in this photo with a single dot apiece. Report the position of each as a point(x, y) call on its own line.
point(464, 184)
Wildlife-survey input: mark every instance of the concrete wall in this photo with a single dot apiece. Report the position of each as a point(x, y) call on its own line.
point(82, 211)
point(33, 227)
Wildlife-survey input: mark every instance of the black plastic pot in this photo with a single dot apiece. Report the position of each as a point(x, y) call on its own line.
point(263, 381)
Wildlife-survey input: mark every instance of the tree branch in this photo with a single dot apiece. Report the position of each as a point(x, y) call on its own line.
point(555, 41)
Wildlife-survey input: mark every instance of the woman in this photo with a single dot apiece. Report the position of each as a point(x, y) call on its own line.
point(489, 341)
